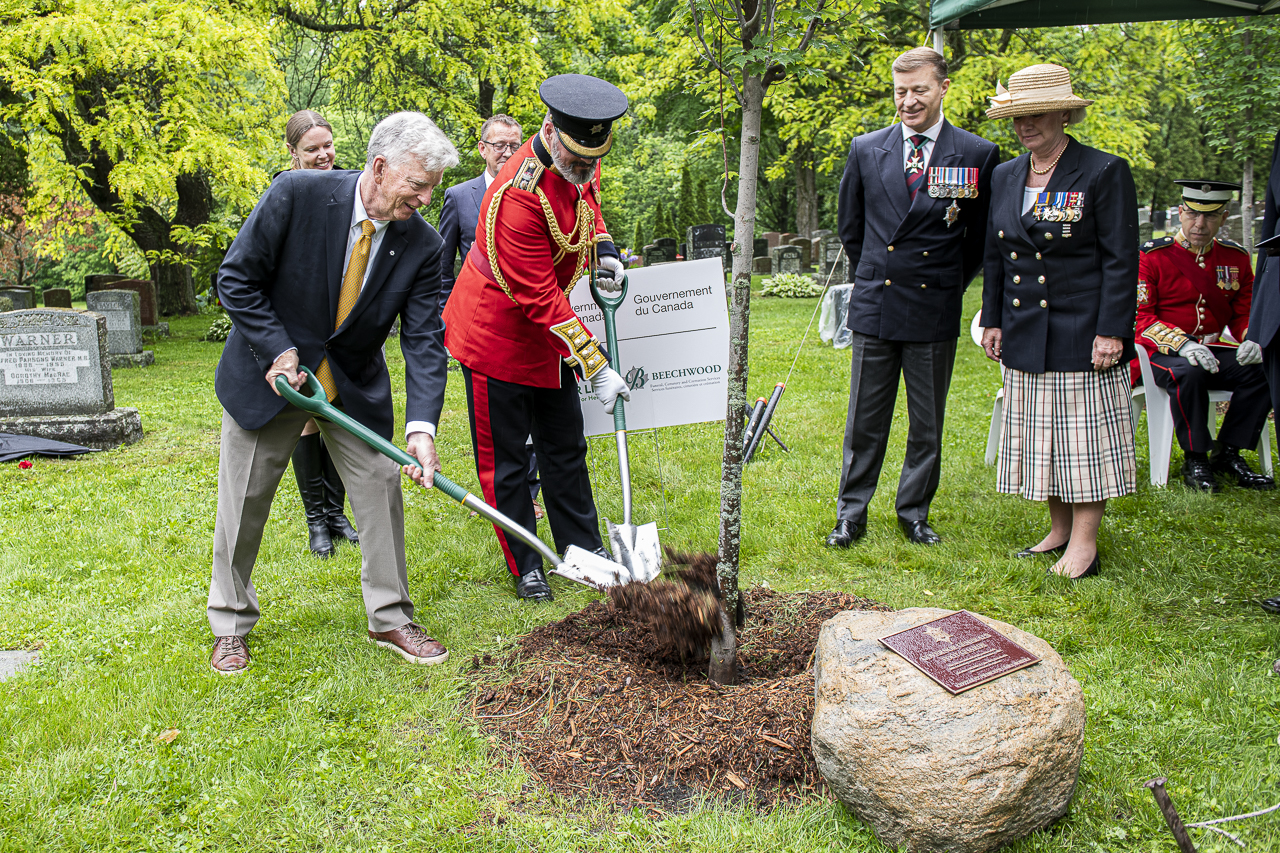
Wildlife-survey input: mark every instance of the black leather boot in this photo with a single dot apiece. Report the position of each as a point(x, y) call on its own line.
point(335, 499)
point(307, 469)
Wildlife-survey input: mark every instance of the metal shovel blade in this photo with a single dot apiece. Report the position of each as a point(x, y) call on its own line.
point(589, 569)
point(636, 549)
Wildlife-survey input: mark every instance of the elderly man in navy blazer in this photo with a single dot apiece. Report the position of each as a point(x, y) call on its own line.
point(320, 270)
point(912, 217)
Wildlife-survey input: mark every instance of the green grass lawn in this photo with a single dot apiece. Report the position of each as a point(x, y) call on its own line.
point(329, 743)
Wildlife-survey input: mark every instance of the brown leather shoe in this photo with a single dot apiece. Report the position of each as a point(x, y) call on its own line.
point(230, 655)
point(411, 643)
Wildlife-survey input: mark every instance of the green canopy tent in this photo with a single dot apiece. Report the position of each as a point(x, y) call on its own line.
point(1000, 14)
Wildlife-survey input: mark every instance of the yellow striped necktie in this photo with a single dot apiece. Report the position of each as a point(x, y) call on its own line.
point(347, 297)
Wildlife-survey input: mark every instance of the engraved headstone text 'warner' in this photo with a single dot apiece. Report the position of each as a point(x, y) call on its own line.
point(53, 362)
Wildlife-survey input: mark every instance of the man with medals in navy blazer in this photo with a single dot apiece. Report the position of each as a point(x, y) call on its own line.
point(1264, 315)
point(1192, 287)
point(318, 273)
point(912, 218)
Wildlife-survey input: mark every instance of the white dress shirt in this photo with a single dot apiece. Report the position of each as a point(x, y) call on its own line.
point(931, 135)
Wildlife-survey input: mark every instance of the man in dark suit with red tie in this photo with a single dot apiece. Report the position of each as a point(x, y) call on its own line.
point(912, 217)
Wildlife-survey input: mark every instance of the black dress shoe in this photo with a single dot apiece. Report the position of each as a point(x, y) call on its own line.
point(1027, 552)
point(919, 532)
point(1197, 475)
point(1272, 605)
point(1231, 465)
point(533, 586)
point(1094, 569)
point(846, 532)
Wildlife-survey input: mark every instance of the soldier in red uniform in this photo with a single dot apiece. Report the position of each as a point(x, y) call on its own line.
point(509, 321)
point(1191, 287)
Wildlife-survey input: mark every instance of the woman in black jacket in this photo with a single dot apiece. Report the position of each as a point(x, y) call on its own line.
point(1058, 302)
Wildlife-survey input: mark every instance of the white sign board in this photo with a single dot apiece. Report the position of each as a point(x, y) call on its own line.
point(673, 346)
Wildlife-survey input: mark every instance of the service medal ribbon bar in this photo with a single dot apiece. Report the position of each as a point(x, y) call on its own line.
point(952, 183)
point(1059, 207)
point(1229, 278)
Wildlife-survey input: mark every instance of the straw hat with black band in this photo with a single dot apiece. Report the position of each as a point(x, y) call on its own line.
point(583, 110)
point(1034, 90)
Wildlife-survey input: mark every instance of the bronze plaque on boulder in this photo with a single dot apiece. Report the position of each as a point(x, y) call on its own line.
point(959, 651)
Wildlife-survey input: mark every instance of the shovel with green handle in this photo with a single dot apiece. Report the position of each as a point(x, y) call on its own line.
point(578, 564)
point(636, 548)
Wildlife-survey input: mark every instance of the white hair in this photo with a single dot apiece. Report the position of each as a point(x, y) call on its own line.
point(410, 134)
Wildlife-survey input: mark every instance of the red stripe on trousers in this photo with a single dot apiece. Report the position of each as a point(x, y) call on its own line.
point(1177, 395)
point(484, 456)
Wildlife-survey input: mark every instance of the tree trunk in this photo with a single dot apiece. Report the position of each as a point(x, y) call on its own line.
point(1246, 205)
point(806, 192)
point(487, 91)
point(724, 653)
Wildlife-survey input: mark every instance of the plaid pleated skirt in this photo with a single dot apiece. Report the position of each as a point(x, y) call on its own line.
point(1067, 435)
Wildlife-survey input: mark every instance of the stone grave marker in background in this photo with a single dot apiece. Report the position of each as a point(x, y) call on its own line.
point(822, 232)
point(661, 252)
point(19, 296)
point(786, 237)
point(704, 241)
point(124, 329)
point(833, 256)
point(57, 297)
point(101, 281)
point(55, 380)
point(147, 310)
point(760, 248)
point(805, 247)
point(774, 239)
point(6, 304)
point(762, 266)
point(786, 259)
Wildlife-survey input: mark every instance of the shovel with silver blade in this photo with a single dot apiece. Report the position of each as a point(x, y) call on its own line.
point(578, 564)
point(634, 547)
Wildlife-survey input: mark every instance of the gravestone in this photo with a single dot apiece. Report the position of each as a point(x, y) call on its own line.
point(659, 253)
point(101, 281)
point(6, 304)
point(760, 248)
point(804, 246)
point(146, 291)
point(124, 331)
point(786, 237)
point(930, 771)
point(833, 256)
point(786, 259)
point(822, 232)
point(682, 251)
point(704, 241)
point(57, 297)
point(1144, 216)
point(55, 380)
point(19, 296)
point(774, 239)
point(762, 266)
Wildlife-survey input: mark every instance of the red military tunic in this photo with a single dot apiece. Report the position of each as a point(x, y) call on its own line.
point(509, 316)
point(1184, 295)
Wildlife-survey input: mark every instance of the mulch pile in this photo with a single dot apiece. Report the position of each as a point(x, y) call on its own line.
point(603, 704)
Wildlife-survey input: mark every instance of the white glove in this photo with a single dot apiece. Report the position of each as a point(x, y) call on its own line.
point(611, 281)
point(1199, 354)
point(1249, 353)
point(609, 386)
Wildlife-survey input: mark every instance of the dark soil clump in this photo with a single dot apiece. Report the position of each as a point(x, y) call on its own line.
point(602, 704)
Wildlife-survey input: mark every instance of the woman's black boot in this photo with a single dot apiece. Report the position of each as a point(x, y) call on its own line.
point(308, 470)
point(335, 498)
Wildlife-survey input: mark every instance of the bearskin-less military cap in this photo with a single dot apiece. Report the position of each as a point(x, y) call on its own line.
point(1207, 196)
point(583, 110)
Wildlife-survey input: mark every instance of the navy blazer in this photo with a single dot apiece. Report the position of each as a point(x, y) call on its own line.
point(909, 267)
point(458, 218)
point(1264, 314)
point(280, 282)
point(1053, 287)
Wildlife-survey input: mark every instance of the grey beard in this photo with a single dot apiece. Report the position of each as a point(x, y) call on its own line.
point(566, 169)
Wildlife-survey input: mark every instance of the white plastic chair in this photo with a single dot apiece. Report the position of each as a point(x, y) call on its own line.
point(1160, 424)
point(997, 408)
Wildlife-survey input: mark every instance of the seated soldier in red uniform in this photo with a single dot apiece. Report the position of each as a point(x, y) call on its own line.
point(1191, 287)
point(509, 323)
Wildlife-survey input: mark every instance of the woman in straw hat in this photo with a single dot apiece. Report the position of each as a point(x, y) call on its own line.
point(1058, 303)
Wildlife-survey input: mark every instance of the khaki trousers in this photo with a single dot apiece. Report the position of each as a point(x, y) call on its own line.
point(250, 465)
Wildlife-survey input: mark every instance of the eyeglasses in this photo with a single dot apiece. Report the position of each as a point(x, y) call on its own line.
point(509, 147)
